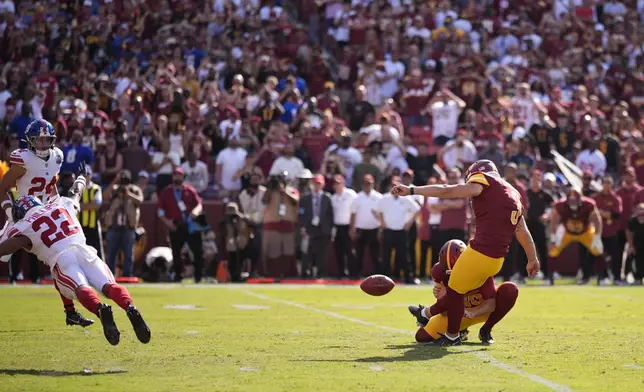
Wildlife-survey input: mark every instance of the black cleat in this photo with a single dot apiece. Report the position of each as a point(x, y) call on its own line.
point(464, 335)
point(140, 327)
point(112, 333)
point(415, 311)
point(444, 341)
point(485, 335)
point(72, 317)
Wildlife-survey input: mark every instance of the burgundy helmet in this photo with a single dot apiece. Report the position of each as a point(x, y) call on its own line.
point(449, 254)
point(574, 199)
point(481, 166)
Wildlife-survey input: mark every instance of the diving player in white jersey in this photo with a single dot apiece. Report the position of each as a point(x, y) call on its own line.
point(34, 171)
point(53, 233)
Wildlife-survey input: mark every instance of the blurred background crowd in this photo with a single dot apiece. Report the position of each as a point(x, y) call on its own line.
point(299, 115)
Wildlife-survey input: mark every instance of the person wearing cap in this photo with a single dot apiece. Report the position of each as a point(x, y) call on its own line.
point(397, 215)
point(178, 208)
point(609, 205)
point(90, 202)
point(341, 201)
point(635, 235)
point(121, 218)
point(364, 227)
point(149, 190)
point(234, 236)
point(304, 182)
point(329, 99)
point(316, 223)
point(537, 215)
point(459, 152)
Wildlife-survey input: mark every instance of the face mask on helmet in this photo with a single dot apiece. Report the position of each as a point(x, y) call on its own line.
point(40, 137)
point(574, 201)
point(42, 145)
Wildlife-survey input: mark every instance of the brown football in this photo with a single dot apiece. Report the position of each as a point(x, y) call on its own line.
point(377, 285)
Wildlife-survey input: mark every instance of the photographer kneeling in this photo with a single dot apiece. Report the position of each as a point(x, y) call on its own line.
point(280, 223)
point(122, 218)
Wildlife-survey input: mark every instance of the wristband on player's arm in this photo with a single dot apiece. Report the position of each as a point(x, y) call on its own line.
point(411, 190)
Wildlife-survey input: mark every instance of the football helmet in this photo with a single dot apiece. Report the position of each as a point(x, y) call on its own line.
point(23, 205)
point(41, 137)
point(449, 254)
point(481, 166)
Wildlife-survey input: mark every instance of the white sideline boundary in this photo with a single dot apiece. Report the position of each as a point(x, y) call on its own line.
point(485, 357)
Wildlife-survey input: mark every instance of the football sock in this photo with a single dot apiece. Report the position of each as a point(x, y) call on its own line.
point(118, 294)
point(424, 313)
point(68, 304)
point(88, 298)
point(455, 311)
point(506, 296)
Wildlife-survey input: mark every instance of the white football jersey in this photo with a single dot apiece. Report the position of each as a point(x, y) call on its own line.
point(52, 229)
point(41, 176)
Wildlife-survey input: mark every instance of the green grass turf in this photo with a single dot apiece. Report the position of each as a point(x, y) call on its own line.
point(583, 338)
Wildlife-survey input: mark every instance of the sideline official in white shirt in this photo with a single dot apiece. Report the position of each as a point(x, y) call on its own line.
point(341, 201)
point(397, 214)
point(365, 226)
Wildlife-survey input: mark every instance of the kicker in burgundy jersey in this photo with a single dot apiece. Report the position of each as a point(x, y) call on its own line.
point(497, 211)
point(577, 221)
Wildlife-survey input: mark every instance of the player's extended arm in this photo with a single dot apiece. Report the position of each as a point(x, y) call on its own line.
point(8, 181)
point(525, 239)
point(76, 191)
point(12, 245)
point(441, 191)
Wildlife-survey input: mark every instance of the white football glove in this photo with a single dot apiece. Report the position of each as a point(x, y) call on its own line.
point(597, 243)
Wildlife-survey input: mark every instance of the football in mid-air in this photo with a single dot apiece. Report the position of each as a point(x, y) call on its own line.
point(377, 285)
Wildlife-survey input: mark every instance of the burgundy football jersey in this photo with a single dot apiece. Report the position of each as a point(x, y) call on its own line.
point(575, 222)
point(497, 211)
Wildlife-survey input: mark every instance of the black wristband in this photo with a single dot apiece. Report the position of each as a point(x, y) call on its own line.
point(411, 190)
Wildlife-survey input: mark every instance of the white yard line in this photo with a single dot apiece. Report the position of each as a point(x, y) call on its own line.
point(483, 356)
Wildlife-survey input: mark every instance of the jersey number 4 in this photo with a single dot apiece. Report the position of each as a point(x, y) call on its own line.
point(56, 229)
point(40, 184)
point(516, 214)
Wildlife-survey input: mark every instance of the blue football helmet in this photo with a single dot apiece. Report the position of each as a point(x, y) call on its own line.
point(22, 206)
point(41, 136)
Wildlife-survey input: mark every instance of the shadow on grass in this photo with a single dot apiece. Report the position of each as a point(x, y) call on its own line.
point(56, 373)
point(414, 352)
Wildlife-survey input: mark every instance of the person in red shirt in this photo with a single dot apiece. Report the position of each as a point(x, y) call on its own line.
point(628, 192)
point(330, 100)
point(180, 209)
point(609, 205)
point(415, 94)
point(498, 216)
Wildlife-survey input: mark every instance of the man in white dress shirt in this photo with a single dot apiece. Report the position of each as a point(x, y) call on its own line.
point(341, 201)
point(397, 214)
point(365, 227)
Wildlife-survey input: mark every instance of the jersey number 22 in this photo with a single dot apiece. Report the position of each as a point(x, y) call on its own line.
point(56, 229)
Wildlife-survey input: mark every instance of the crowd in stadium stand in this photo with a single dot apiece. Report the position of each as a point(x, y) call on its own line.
point(262, 103)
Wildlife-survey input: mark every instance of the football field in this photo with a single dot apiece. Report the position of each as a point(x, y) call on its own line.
point(321, 338)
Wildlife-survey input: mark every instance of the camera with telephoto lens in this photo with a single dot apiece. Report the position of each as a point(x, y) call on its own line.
point(276, 180)
point(125, 179)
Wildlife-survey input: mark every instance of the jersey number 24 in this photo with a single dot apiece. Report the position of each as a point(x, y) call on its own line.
point(56, 229)
point(40, 184)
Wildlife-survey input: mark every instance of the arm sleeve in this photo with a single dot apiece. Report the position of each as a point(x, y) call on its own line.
point(478, 178)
